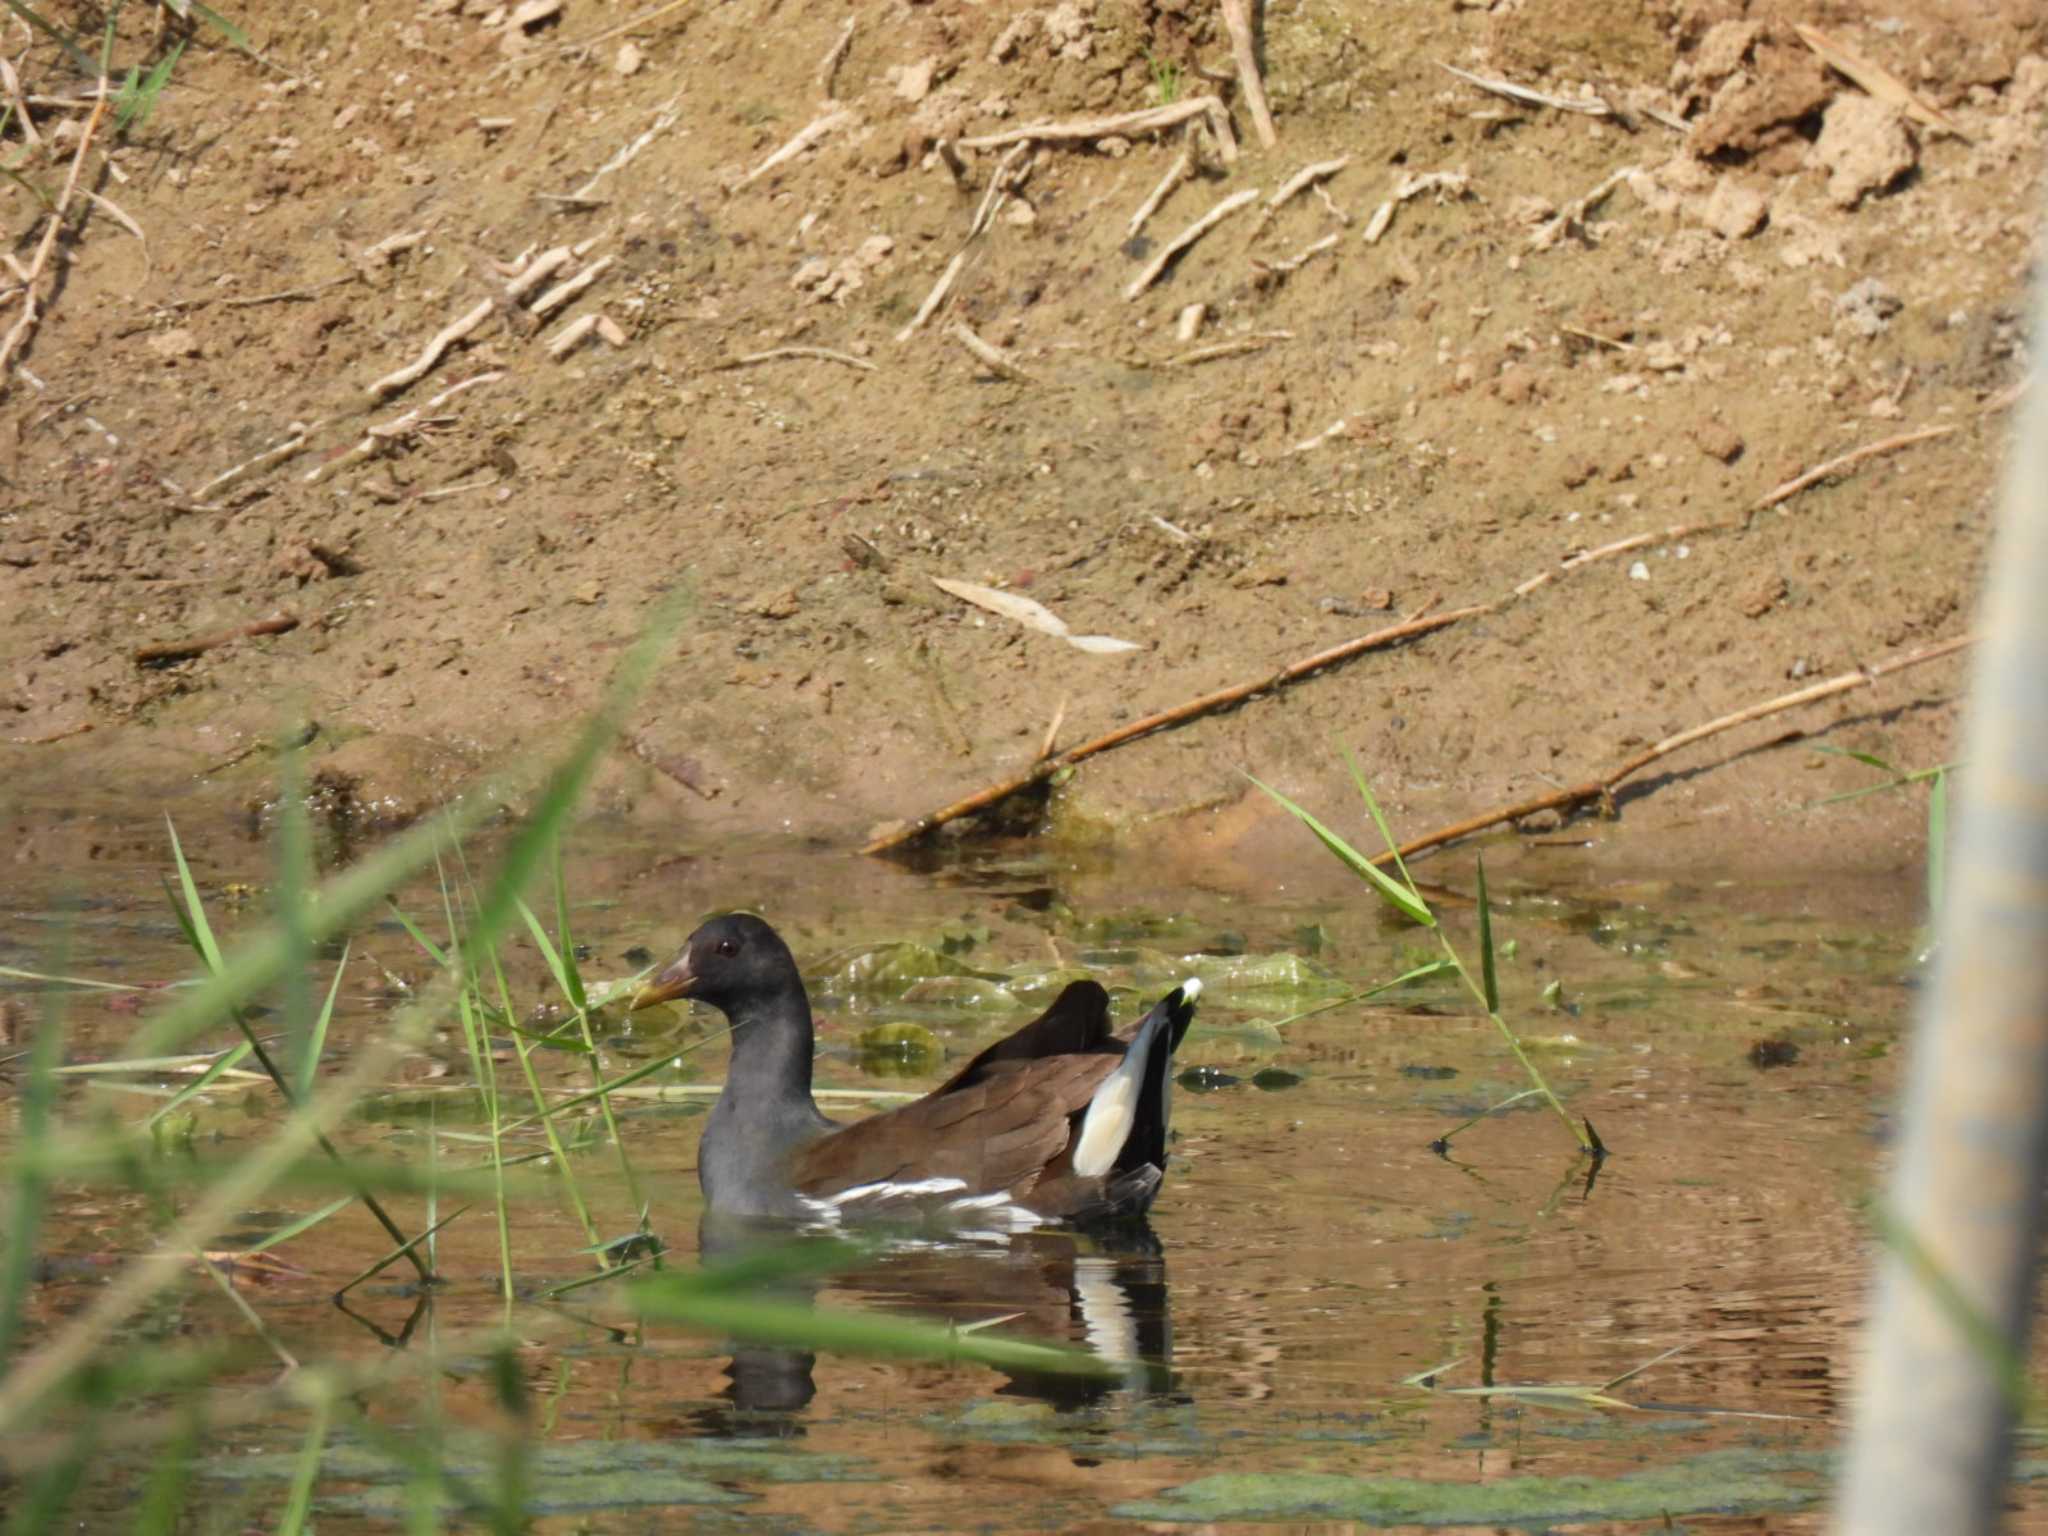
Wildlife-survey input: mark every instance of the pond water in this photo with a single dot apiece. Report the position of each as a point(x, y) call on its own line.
point(1312, 1252)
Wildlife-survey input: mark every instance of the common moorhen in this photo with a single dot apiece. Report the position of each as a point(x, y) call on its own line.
point(1061, 1121)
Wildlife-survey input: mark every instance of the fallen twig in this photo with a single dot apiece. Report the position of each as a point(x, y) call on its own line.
point(275, 454)
point(1299, 182)
point(441, 341)
point(665, 117)
point(994, 357)
point(396, 427)
point(288, 295)
point(1150, 120)
point(25, 323)
point(1208, 703)
point(1573, 214)
point(181, 650)
point(1187, 237)
point(1237, 346)
point(811, 134)
point(1844, 461)
point(1592, 106)
point(1182, 168)
point(1414, 185)
point(48, 737)
point(1300, 258)
point(774, 354)
point(1621, 547)
point(828, 66)
point(564, 291)
point(999, 183)
point(1237, 20)
point(1600, 788)
point(1876, 79)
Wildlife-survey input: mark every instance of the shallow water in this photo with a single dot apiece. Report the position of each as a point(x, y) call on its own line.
point(1309, 1254)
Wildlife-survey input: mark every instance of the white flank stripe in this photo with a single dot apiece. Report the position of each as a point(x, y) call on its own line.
point(887, 1190)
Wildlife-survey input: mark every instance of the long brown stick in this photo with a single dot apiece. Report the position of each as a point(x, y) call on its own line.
point(1841, 462)
point(180, 650)
point(1595, 789)
point(1207, 704)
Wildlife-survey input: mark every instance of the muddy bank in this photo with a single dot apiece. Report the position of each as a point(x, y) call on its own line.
point(1776, 270)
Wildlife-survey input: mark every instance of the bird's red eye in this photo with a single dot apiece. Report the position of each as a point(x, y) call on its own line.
point(728, 946)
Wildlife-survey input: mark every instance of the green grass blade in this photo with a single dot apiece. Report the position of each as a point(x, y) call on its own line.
point(138, 97)
point(316, 1041)
point(294, 880)
point(163, 1501)
point(548, 953)
point(222, 25)
point(434, 951)
point(81, 983)
point(292, 1229)
point(1390, 890)
point(1488, 972)
point(566, 939)
point(226, 1062)
point(1379, 820)
point(31, 1193)
point(298, 1504)
point(199, 931)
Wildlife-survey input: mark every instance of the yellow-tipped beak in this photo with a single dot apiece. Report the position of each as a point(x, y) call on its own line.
point(666, 985)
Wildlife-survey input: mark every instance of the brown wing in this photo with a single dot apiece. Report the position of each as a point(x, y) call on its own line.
point(1076, 1024)
point(996, 1133)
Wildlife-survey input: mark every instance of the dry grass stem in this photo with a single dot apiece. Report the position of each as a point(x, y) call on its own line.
point(812, 134)
point(1300, 259)
point(1844, 461)
point(1075, 130)
point(288, 295)
point(1621, 547)
point(1299, 182)
point(776, 354)
point(993, 357)
point(454, 331)
point(1876, 80)
point(828, 67)
point(275, 454)
point(1187, 237)
point(1237, 346)
point(25, 324)
point(1592, 106)
point(11, 84)
point(1223, 698)
point(1442, 183)
point(519, 284)
point(563, 292)
point(398, 426)
point(1603, 787)
point(999, 183)
point(569, 335)
point(1182, 168)
point(665, 118)
point(1237, 20)
point(1573, 215)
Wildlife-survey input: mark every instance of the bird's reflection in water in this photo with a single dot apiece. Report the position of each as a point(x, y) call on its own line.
point(1104, 1291)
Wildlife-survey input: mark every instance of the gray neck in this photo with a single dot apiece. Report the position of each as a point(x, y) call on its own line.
point(764, 1114)
point(771, 1053)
